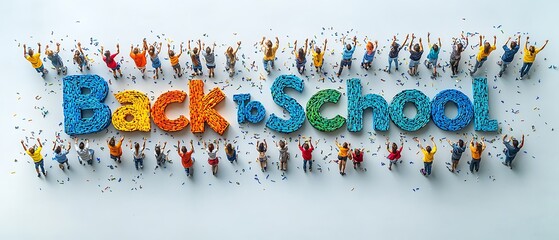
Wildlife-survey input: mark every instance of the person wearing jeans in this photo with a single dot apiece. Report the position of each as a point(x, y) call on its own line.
point(529, 57)
point(510, 151)
point(394, 50)
point(35, 154)
point(508, 56)
point(428, 156)
point(484, 50)
point(477, 149)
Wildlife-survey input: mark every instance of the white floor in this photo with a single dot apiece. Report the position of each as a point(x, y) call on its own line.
point(242, 202)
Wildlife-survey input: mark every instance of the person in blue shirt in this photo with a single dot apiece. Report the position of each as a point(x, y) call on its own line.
point(433, 55)
point(415, 55)
point(60, 155)
point(510, 151)
point(457, 149)
point(369, 55)
point(393, 54)
point(508, 56)
point(347, 55)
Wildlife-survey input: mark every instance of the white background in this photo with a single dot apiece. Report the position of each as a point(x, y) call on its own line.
point(496, 203)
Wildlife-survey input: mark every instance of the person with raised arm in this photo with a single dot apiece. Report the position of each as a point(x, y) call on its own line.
point(56, 60)
point(211, 149)
point(186, 157)
point(370, 50)
point(109, 59)
point(283, 154)
point(347, 55)
point(508, 55)
point(35, 59)
point(428, 156)
point(433, 56)
point(115, 149)
point(457, 149)
point(318, 56)
point(416, 51)
point(484, 50)
point(80, 59)
point(300, 56)
point(458, 46)
point(343, 153)
point(160, 156)
point(262, 147)
point(510, 151)
point(138, 154)
point(209, 56)
point(85, 154)
point(153, 53)
point(60, 155)
point(306, 152)
point(35, 153)
point(477, 149)
point(231, 59)
point(529, 57)
point(269, 53)
point(394, 51)
point(195, 58)
point(174, 59)
point(394, 153)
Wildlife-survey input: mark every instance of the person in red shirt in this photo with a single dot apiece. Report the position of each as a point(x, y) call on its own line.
point(357, 157)
point(186, 157)
point(139, 57)
point(394, 153)
point(109, 59)
point(306, 152)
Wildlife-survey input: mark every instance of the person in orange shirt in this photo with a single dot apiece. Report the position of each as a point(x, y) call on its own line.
point(175, 60)
point(115, 149)
point(186, 157)
point(35, 59)
point(477, 149)
point(484, 50)
point(139, 57)
point(529, 57)
point(342, 155)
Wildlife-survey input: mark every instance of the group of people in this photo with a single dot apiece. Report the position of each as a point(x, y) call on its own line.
point(345, 151)
point(269, 49)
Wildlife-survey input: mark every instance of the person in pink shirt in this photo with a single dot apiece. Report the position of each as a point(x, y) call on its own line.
point(109, 59)
point(306, 152)
point(357, 157)
point(394, 153)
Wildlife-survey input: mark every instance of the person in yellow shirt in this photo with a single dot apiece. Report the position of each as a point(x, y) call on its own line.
point(174, 59)
point(428, 156)
point(529, 57)
point(342, 155)
point(484, 50)
point(269, 52)
point(318, 56)
point(477, 149)
point(140, 57)
point(35, 59)
point(35, 154)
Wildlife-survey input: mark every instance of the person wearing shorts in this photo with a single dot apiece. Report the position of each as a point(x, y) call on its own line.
point(186, 157)
point(342, 155)
point(140, 59)
point(394, 153)
point(212, 149)
point(416, 51)
point(174, 59)
point(109, 59)
point(262, 147)
point(115, 149)
point(347, 55)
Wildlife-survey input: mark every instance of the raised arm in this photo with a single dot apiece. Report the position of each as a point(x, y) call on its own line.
point(420, 45)
point(418, 142)
point(428, 39)
point(199, 45)
point(159, 48)
point(188, 45)
point(411, 42)
point(405, 40)
point(545, 44)
point(262, 42)
point(440, 44)
point(23, 145)
point(144, 145)
point(57, 47)
point(117, 49)
point(376, 46)
point(180, 53)
point(39, 50)
point(24, 50)
point(306, 45)
point(39, 142)
point(480, 40)
point(265, 144)
point(494, 40)
point(298, 142)
point(257, 143)
point(168, 48)
point(522, 143)
point(179, 147)
point(80, 48)
point(53, 145)
point(433, 141)
point(130, 141)
point(295, 48)
point(277, 42)
point(325, 41)
point(526, 43)
point(191, 146)
point(518, 40)
point(145, 44)
point(507, 42)
point(237, 49)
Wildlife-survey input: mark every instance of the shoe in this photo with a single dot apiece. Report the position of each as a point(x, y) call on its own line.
point(45, 173)
point(80, 162)
point(304, 169)
point(38, 175)
point(142, 166)
point(68, 167)
point(310, 169)
point(119, 161)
